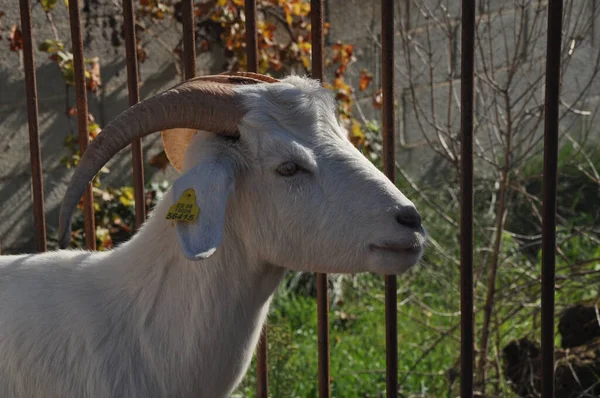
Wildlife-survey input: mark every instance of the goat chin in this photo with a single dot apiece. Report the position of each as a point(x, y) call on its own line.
point(138, 321)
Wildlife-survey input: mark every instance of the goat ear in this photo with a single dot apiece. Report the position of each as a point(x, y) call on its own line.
point(212, 182)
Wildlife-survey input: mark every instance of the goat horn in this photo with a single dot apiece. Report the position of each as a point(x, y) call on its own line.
point(251, 75)
point(202, 103)
point(176, 141)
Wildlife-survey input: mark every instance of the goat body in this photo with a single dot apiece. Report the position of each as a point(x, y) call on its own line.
point(177, 310)
point(116, 325)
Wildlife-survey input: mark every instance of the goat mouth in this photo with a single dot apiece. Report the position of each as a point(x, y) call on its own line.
point(396, 248)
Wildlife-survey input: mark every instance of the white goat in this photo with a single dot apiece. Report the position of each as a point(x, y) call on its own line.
point(148, 319)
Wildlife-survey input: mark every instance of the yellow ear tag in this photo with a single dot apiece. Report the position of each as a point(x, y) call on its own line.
point(185, 208)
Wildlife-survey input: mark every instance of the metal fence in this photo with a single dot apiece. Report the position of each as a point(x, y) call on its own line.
point(387, 35)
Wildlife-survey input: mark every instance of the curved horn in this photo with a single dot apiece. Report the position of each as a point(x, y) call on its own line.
point(252, 75)
point(202, 103)
point(176, 141)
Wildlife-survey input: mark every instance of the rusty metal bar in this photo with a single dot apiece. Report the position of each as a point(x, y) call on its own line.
point(262, 370)
point(317, 40)
point(82, 117)
point(551, 117)
point(251, 36)
point(466, 193)
point(35, 157)
point(387, 119)
point(134, 98)
point(189, 38)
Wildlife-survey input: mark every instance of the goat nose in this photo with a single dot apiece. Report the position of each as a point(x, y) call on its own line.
point(409, 217)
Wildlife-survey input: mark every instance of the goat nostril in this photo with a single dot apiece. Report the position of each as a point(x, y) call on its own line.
point(409, 217)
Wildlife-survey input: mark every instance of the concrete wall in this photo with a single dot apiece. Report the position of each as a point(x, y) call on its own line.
point(430, 24)
point(352, 21)
point(157, 73)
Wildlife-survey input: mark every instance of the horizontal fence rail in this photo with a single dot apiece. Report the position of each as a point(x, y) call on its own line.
point(468, 75)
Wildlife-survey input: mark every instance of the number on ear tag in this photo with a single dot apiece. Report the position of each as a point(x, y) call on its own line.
point(185, 208)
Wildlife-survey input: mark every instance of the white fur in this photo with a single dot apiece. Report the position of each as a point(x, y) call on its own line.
point(143, 320)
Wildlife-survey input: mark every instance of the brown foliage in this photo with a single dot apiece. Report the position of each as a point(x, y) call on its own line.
point(15, 39)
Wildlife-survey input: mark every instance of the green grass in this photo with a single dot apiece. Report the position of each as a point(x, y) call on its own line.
point(357, 338)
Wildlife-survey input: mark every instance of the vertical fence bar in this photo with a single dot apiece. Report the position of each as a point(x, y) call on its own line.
point(262, 370)
point(82, 117)
point(551, 117)
point(317, 39)
point(387, 118)
point(251, 36)
point(134, 98)
point(466, 193)
point(189, 39)
point(35, 156)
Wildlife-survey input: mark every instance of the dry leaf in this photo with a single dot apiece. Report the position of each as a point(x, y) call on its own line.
point(94, 81)
point(16, 39)
point(1, 15)
point(204, 45)
point(141, 53)
point(204, 8)
point(365, 79)
point(72, 111)
point(160, 161)
point(378, 99)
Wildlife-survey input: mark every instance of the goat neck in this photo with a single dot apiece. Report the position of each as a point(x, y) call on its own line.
point(223, 303)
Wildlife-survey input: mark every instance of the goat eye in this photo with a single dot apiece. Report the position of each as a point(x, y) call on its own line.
point(287, 169)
